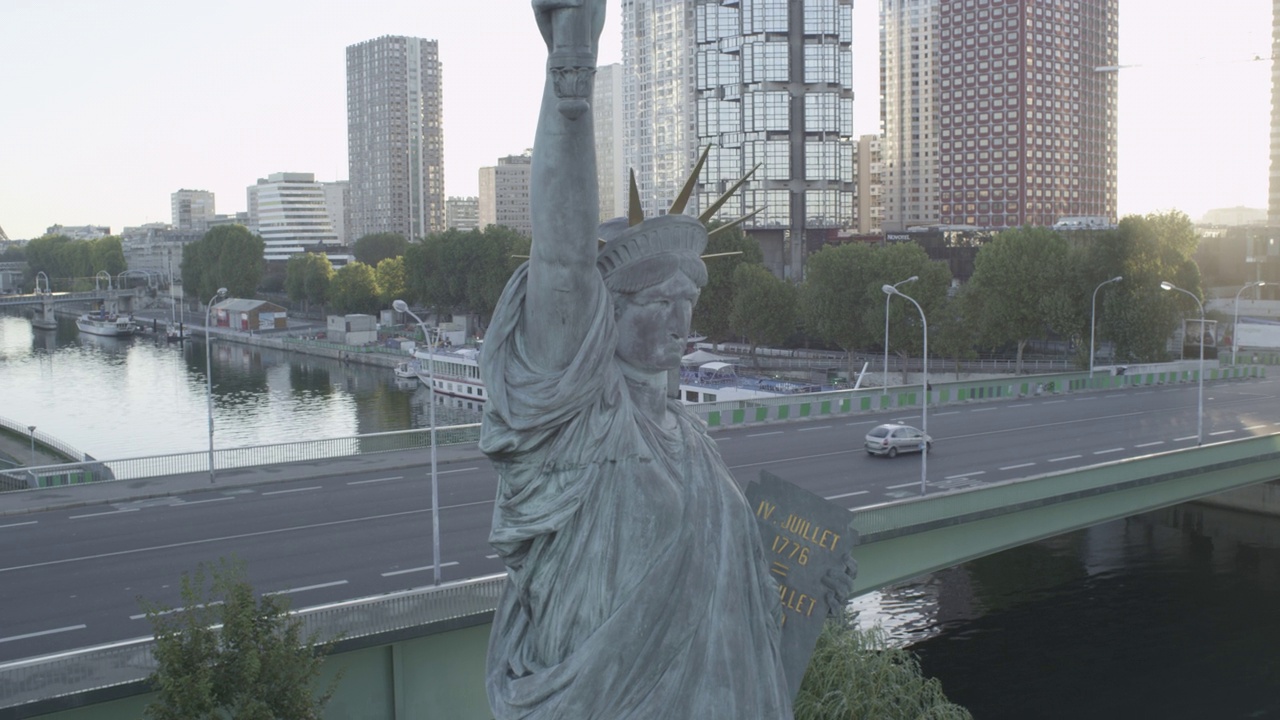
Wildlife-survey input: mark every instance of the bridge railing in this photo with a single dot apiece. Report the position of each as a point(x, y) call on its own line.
point(132, 661)
point(233, 458)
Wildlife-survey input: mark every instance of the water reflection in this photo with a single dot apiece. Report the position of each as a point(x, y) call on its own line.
point(118, 397)
point(1166, 614)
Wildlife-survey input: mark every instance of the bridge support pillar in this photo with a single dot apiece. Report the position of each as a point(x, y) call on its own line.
point(44, 318)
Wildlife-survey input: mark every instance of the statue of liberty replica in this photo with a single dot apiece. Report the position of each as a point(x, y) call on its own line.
point(637, 586)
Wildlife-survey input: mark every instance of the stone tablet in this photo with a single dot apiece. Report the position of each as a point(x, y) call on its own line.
point(805, 537)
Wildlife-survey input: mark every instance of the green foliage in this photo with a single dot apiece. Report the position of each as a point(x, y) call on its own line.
point(1018, 282)
point(711, 315)
point(228, 256)
point(458, 271)
point(843, 303)
point(950, 331)
point(373, 249)
point(764, 307)
point(13, 253)
point(855, 675)
point(355, 289)
point(257, 666)
point(72, 264)
point(308, 277)
point(390, 277)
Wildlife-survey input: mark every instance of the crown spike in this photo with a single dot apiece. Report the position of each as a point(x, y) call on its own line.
point(635, 213)
point(735, 223)
point(715, 207)
point(682, 200)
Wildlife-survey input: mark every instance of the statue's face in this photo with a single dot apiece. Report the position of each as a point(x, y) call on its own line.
point(653, 324)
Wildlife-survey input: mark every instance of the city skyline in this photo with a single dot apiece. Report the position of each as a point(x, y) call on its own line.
point(136, 104)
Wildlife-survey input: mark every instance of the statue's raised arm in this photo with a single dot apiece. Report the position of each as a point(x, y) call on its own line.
point(563, 281)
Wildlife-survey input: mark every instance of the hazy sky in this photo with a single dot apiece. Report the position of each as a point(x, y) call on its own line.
point(108, 106)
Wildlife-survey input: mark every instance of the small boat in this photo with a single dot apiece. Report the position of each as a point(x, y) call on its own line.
point(104, 324)
point(408, 370)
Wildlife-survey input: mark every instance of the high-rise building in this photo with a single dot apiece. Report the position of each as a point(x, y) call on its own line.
point(504, 194)
point(661, 137)
point(290, 211)
point(395, 138)
point(870, 186)
point(462, 213)
point(995, 113)
point(774, 85)
point(192, 209)
point(610, 128)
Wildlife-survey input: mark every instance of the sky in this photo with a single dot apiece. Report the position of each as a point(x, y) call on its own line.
point(109, 106)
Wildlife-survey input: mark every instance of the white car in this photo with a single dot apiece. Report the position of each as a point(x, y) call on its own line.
point(892, 439)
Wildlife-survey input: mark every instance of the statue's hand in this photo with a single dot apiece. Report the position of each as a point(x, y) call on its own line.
point(571, 26)
point(839, 585)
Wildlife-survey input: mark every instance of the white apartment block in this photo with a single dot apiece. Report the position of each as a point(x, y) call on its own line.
point(191, 209)
point(504, 194)
point(610, 129)
point(462, 213)
point(335, 202)
point(395, 137)
point(658, 98)
point(870, 186)
point(290, 212)
point(908, 112)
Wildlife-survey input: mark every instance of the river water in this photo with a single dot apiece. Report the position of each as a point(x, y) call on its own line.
point(1170, 614)
point(128, 397)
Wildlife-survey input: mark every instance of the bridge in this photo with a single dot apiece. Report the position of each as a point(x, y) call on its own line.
point(43, 302)
point(436, 636)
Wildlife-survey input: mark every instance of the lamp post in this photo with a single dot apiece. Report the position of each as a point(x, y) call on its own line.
point(402, 306)
point(1093, 314)
point(1200, 341)
point(884, 390)
point(1235, 324)
point(32, 430)
point(208, 372)
point(924, 385)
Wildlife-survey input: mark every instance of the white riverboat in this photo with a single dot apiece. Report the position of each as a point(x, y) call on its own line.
point(457, 375)
point(105, 324)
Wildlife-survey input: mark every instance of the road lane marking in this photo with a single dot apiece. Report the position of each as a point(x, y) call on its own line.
point(113, 512)
point(899, 487)
point(184, 503)
point(1150, 444)
point(820, 427)
point(417, 569)
point(1255, 427)
point(376, 480)
point(491, 557)
point(953, 412)
point(29, 522)
point(1107, 452)
point(1018, 467)
point(1083, 399)
point(459, 470)
point(1222, 432)
point(845, 495)
point(1021, 405)
point(985, 409)
point(305, 588)
point(1052, 402)
point(870, 422)
point(756, 435)
point(292, 490)
point(171, 611)
point(54, 631)
point(1064, 459)
point(1189, 437)
point(965, 475)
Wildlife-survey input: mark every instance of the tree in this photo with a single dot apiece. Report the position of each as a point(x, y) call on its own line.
point(355, 289)
point(711, 314)
point(764, 307)
point(1017, 280)
point(107, 253)
point(228, 256)
point(308, 278)
point(72, 264)
point(950, 331)
point(457, 271)
point(390, 278)
point(373, 249)
point(256, 666)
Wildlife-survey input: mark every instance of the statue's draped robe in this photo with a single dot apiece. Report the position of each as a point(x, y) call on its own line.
point(637, 587)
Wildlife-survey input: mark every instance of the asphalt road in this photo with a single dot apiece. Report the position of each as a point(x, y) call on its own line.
point(72, 577)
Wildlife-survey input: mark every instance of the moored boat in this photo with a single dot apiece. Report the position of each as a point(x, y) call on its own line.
point(105, 324)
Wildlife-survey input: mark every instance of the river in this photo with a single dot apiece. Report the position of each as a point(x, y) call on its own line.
point(1162, 615)
point(129, 397)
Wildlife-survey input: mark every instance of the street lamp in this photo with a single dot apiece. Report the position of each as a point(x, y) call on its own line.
point(403, 307)
point(885, 384)
point(924, 385)
point(208, 371)
point(1093, 310)
point(32, 429)
point(1165, 285)
point(1235, 325)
